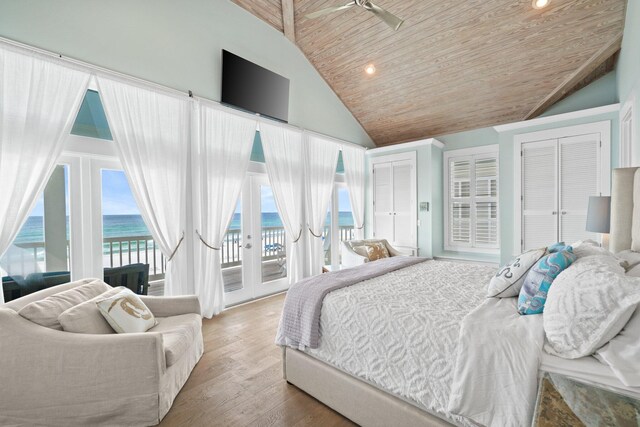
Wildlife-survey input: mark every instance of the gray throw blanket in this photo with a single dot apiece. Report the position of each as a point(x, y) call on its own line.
point(300, 322)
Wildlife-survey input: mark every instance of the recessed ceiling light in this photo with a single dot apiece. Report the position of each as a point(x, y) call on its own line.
point(540, 4)
point(370, 69)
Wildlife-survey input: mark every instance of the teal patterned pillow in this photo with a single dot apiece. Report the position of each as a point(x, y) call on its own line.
point(557, 247)
point(533, 294)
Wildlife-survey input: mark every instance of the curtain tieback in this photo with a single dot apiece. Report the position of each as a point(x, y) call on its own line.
point(314, 234)
point(205, 243)
point(299, 236)
point(176, 249)
point(359, 228)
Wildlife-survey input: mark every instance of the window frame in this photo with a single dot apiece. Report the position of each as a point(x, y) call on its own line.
point(472, 155)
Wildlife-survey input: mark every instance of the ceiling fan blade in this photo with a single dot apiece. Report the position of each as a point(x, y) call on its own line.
point(329, 10)
point(389, 18)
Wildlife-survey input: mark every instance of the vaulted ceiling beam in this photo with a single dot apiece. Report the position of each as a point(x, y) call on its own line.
point(577, 76)
point(288, 22)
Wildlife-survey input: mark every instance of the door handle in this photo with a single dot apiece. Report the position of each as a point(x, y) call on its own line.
point(564, 212)
point(554, 213)
point(248, 246)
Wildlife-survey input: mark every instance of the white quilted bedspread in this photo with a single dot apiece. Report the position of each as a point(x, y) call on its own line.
point(399, 332)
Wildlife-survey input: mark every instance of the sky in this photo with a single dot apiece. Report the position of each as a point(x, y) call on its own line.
point(117, 198)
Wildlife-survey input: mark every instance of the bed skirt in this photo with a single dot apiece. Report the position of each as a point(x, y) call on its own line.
point(355, 399)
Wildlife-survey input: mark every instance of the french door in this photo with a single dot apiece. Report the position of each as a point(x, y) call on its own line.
point(254, 251)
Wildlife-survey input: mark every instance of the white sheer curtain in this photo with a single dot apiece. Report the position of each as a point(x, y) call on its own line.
point(220, 158)
point(320, 160)
point(284, 162)
point(39, 100)
point(151, 131)
point(353, 159)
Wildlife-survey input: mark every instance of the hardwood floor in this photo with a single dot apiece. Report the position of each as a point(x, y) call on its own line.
point(238, 381)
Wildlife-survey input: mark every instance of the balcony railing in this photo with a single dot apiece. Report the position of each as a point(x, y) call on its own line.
point(119, 251)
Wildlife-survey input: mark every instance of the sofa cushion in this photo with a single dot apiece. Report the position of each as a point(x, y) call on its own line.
point(178, 333)
point(85, 318)
point(126, 313)
point(45, 312)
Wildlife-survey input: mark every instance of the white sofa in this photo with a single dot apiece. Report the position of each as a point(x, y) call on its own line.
point(351, 258)
point(52, 377)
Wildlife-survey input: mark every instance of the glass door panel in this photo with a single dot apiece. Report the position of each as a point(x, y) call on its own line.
point(231, 253)
point(39, 256)
point(345, 215)
point(326, 237)
point(273, 257)
point(128, 249)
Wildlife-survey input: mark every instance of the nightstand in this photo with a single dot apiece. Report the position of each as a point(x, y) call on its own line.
point(564, 401)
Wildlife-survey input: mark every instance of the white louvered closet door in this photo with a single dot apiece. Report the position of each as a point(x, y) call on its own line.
point(403, 204)
point(579, 179)
point(539, 194)
point(383, 200)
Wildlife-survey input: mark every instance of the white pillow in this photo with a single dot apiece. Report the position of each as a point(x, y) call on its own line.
point(632, 259)
point(509, 279)
point(622, 353)
point(588, 304)
point(85, 318)
point(126, 313)
point(583, 248)
point(633, 271)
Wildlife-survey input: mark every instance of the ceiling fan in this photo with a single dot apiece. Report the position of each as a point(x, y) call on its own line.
point(388, 18)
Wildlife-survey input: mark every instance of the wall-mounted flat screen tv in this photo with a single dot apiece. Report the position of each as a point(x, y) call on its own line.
point(253, 88)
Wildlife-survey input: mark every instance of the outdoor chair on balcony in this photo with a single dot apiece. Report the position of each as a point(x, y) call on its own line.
point(18, 286)
point(132, 276)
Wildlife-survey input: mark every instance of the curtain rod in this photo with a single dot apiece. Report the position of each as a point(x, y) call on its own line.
point(188, 93)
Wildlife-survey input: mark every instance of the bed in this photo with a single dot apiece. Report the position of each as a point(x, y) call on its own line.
point(388, 352)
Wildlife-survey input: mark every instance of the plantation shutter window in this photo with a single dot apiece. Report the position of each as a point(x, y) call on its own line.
point(460, 172)
point(472, 205)
point(486, 203)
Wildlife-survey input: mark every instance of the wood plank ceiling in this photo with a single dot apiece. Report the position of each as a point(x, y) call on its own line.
point(454, 65)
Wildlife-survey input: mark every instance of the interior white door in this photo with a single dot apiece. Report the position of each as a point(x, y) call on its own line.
point(383, 201)
point(404, 203)
point(579, 179)
point(539, 193)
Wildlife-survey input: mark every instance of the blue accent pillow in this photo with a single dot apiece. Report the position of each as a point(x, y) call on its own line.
point(557, 247)
point(533, 294)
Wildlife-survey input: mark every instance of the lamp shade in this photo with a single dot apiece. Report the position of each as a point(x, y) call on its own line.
point(599, 214)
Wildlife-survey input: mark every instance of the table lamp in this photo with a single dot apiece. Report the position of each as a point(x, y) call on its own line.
point(599, 217)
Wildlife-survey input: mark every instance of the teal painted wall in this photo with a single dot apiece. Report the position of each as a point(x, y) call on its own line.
point(178, 44)
point(600, 92)
point(628, 69)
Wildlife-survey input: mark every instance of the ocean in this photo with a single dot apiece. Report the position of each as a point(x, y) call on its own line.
point(133, 225)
